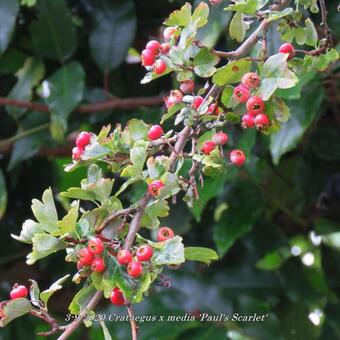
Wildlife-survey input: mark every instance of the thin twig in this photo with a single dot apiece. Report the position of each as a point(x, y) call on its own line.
point(43, 315)
point(134, 326)
point(324, 24)
point(111, 217)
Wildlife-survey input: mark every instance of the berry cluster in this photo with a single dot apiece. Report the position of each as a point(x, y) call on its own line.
point(82, 141)
point(90, 256)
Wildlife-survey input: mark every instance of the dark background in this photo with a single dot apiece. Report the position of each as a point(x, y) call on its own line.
point(256, 218)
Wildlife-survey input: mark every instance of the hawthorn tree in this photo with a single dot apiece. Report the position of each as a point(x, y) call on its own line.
point(216, 91)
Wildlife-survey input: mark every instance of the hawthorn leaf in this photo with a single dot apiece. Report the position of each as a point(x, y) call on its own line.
point(78, 193)
point(57, 285)
point(200, 15)
point(95, 151)
point(138, 129)
point(201, 254)
point(45, 212)
point(245, 6)
point(232, 72)
point(204, 63)
point(34, 293)
point(275, 15)
point(181, 17)
point(13, 309)
point(29, 229)
point(106, 332)
point(68, 224)
point(238, 27)
point(53, 34)
point(168, 252)
point(8, 12)
point(276, 75)
point(44, 245)
point(81, 299)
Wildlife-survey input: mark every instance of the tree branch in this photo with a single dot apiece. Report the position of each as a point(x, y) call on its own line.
point(134, 326)
point(324, 24)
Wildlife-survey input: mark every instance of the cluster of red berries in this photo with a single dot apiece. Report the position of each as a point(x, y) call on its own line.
point(255, 115)
point(90, 256)
point(212, 109)
point(237, 157)
point(82, 140)
point(18, 291)
point(154, 49)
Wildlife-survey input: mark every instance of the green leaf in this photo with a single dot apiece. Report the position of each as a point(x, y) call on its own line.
point(180, 17)
point(68, 224)
point(27, 78)
point(275, 15)
point(138, 129)
point(3, 194)
point(53, 34)
point(168, 252)
point(153, 211)
point(232, 72)
point(82, 228)
point(34, 293)
point(204, 63)
point(281, 110)
point(13, 309)
point(8, 13)
point(95, 151)
point(245, 6)
point(276, 75)
point(292, 131)
point(81, 299)
point(239, 218)
point(78, 193)
point(66, 92)
point(44, 245)
point(200, 15)
point(106, 332)
point(45, 212)
point(46, 294)
point(200, 254)
point(274, 259)
point(29, 229)
point(238, 27)
point(311, 33)
point(113, 33)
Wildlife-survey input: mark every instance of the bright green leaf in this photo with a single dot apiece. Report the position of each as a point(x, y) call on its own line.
point(200, 254)
point(232, 72)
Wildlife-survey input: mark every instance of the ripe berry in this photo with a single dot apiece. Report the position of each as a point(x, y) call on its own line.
point(197, 102)
point(18, 292)
point(207, 147)
point(76, 153)
point(144, 252)
point(261, 120)
point(124, 256)
point(153, 46)
point(96, 246)
point(83, 139)
point(220, 138)
point(155, 132)
point(159, 66)
point(237, 157)
point(212, 109)
point(85, 257)
point(164, 234)
point(215, 2)
point(148, 58)
point(135, 268)
point(154, 187)
point(287, 48)
point(241, 93)
point(79, 265)
point(117, 297)
point(169, 32)
point(98, 265)
point(187, 86)
point(251, 80)
point(165, 48)
point(248, 121)
point(255, 105)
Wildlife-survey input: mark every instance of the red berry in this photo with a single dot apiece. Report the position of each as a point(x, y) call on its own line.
point(159, 66)
point(117, 297)
point(79, 265)
point(241, 93)
point(176, 96)
point(155, 132)
point(96, 246)
point(207, 147)
point(98, 265)
point(148, 58)
point(197, 102)
point(261, 120)
point(85, 257)
point(212, 109)
point(124, 256)
point(153, 46)
point(287, 48)
point(144, 252)
point(135, 268)
point(187, 86)
point(169, 102)
point(237, 157)
point(76, 153)
point(248, 121)
point(18, 292)
point(169, 32)
point(220, 138)
point(165, 48)
point(154, 187)
point(164, 234)
point(83, 139)
point(255, 105)
point(215, 2)
point(251, 80)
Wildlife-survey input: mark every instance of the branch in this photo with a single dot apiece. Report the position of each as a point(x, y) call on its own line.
point(77, 322)
point(115, 103)
point(43, 315)
point(134, 326)
point(111, 217)
point(324, 24)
